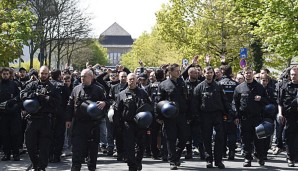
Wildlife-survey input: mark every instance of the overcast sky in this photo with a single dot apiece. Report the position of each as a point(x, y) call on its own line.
point(135, 16)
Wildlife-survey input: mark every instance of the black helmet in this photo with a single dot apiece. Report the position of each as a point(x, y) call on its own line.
point(31, 105)
point(269, 111)
point(144, 119)
point(90, 108)
point(167, 109)
point(264, 129)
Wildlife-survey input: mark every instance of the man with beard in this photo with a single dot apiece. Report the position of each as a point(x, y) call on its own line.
point(10, 116)
point(38, 132)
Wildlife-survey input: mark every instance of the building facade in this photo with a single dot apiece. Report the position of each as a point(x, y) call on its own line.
point(117, 41)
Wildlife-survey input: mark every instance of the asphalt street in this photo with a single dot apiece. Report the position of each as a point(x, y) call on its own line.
point(274, 162)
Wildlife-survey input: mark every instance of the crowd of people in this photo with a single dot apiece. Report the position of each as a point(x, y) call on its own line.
point(158, 113)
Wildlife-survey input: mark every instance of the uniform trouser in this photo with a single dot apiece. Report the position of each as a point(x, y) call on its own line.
point(291, 133)
point(38, 138)
point(11, 127)
point(85, 139)
point(133, 144)
point(209, 121)
point(279, 135)
point(58, 134)
point(154, 130)
point(110, 135)
point(195, 138)
point(114, 132)
point(230, 135)
point(175, 129)
point(249, 138)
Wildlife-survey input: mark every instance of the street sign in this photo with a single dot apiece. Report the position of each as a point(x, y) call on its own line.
point(242, 63)
point(184, 61)
point(243, 52)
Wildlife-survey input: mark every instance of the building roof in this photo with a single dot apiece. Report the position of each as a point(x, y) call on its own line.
point(115, 30)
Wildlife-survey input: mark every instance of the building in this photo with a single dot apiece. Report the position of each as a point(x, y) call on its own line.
point(117, 41)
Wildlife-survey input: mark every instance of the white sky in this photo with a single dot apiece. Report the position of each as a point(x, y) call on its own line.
point(135, 16)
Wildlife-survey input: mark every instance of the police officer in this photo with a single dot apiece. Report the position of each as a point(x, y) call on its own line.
point(126, 107)
point(10, 116)
point(155, 127)
point(115, 132)
point(174, 89)
point(287, 111)
point(212, 104)
point(38, 132)
point(85, 127)
point(230, 129)
point(193, 122)
point(58, 122)
point(249, 100)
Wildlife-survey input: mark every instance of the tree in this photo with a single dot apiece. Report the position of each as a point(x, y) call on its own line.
point(204, 28)
point(94, 53)
point(277, 24)
point(152, 50)
point(15, 29)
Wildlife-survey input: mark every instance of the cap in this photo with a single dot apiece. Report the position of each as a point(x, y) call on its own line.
point(143, 76)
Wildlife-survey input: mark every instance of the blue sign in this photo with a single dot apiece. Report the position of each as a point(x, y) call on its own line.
point(242, 63)
point(243, 53)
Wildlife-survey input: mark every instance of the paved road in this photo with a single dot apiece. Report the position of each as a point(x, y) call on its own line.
point(275, 162)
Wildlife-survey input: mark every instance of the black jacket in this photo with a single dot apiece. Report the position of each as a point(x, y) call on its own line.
point(127, 103)
point(49, 99)
point(244, 100)
point(80, 94)
point(175, 92)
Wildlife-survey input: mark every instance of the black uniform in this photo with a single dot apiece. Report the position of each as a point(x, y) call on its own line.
point(115, 132)
point(249, 112)
point(195, 137)
point(289, 101)
point(85, 130)
point(230, 129)
point(10, 119)
point(175, 128)
point(155, 127)
point(38, 132)
point(212, 104)
point(58, 124)
point(127, 103)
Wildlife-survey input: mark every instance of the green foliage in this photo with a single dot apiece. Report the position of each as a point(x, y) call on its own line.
point(26, 65)
point(15, 29)
point(94, 53)
point(152, 51)
point(276, 23)
point(204, 28)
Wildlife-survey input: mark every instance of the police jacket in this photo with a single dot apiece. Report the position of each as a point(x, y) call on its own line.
point(46, 93)
point(9, 95)
point(190, 91)
point(228, 86)
point(288, 100)
point(80, 94)
point(244, 100)
point(153, 93)
point(116, 89)
point(128, 102)
point(64, 93)
point(210, 97)
point(174, 92)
